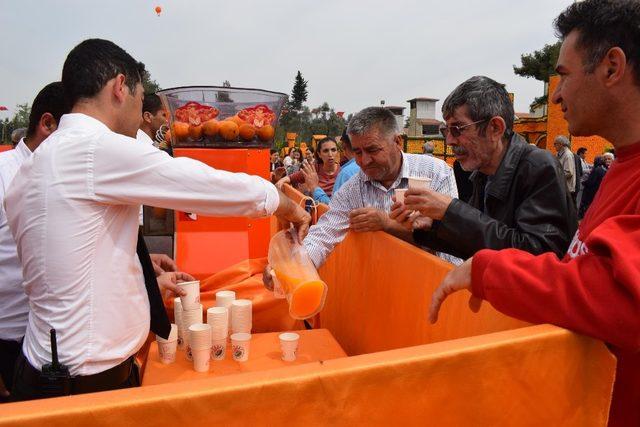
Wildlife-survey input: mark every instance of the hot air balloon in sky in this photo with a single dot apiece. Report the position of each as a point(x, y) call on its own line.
point(158, 10)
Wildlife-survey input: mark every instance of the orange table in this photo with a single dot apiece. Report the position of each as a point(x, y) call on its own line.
point(315, 346)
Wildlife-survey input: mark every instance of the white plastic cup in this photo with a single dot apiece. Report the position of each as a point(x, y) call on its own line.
point(241, 316)
point(191, 300)
point(399, 193)
point(190, 317)
point(201, 358)
point(289, 345)
point(219, 349)
point(218, 318)
point(167, 348)
point(240, 345)
point(199, 336)
point(177, 317)
point(419, 183)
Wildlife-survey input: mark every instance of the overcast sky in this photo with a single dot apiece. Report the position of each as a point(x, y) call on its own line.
point(353, 53)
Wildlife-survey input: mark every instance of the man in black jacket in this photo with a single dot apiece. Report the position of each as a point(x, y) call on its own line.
point(519, 197)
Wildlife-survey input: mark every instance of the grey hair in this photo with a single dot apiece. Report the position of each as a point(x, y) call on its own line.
point(18, 134)
point(427, 147)
point(373, 117)
point(563, 140)
point(609, 154)
point(485, 98)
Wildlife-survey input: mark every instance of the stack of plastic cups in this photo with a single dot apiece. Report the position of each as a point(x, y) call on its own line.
point(190, 317)
point(177, 317)
point(224, 299)
point(218, 319)
point(167, 348)
point(241, 316)
point(200, 343)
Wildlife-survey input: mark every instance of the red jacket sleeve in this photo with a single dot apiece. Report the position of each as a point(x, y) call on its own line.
point(596, 293)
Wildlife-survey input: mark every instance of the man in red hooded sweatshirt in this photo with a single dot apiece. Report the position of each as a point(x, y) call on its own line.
point(595, 288)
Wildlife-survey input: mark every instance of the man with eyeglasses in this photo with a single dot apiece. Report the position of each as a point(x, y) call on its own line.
point(519, 199)
point(595, 289)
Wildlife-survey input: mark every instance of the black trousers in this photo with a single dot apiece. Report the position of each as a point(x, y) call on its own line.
point(9, 351)
point(28, 385)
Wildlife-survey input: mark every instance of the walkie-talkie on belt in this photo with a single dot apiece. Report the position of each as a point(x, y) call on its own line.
point(55, 377)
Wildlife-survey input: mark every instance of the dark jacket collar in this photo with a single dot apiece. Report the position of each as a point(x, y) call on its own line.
point(501, 181)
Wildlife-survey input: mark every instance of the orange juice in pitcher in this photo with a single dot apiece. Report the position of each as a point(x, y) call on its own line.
point(296, 276)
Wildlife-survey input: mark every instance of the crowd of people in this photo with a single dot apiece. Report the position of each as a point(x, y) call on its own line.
point(507, 214)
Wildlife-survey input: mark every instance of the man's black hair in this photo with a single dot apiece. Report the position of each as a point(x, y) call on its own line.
point(345, 140)
point(581, 150)
point(92, 63)
point(151, 103)
point(602, 25)
point(51, 99)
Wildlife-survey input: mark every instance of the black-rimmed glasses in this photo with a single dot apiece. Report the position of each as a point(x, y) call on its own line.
point(456, 130)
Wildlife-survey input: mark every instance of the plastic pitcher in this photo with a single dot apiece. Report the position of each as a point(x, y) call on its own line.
point(295, 276)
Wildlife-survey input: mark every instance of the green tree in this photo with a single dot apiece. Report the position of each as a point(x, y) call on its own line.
point(299, 93)
point(21, 117)
point(150, 85)
point(19, 120)
point(539, 64)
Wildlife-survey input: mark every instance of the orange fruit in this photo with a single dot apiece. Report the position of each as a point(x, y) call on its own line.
point(210, 127)
point(247, 132)
point(195, 132)
point(228, 130)
point(266, 133)
point(180, 130)
point(237, 120)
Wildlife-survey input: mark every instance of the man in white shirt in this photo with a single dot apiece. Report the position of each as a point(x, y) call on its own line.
point(73, 210)
point(47, 108)
point(363, 203)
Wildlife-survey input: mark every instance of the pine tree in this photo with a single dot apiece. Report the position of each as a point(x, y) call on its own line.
point(299, 93)
point(539, 64)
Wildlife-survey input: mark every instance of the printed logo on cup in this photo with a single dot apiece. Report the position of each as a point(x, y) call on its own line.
point(218, 351)
point(238, 351)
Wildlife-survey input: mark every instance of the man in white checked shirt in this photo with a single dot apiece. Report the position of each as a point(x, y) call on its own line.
point(364, 201)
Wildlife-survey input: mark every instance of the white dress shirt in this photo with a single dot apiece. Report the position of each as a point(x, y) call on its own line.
point(142, 136)
point(73, 211)
point(361, 191)
point(14, 306)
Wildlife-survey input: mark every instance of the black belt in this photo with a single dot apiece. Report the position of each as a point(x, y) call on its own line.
point(110, 379)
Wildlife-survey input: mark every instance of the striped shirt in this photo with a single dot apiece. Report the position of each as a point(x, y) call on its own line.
point(360, 191)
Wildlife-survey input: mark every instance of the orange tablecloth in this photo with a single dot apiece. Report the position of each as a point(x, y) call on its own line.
point(315, 345)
